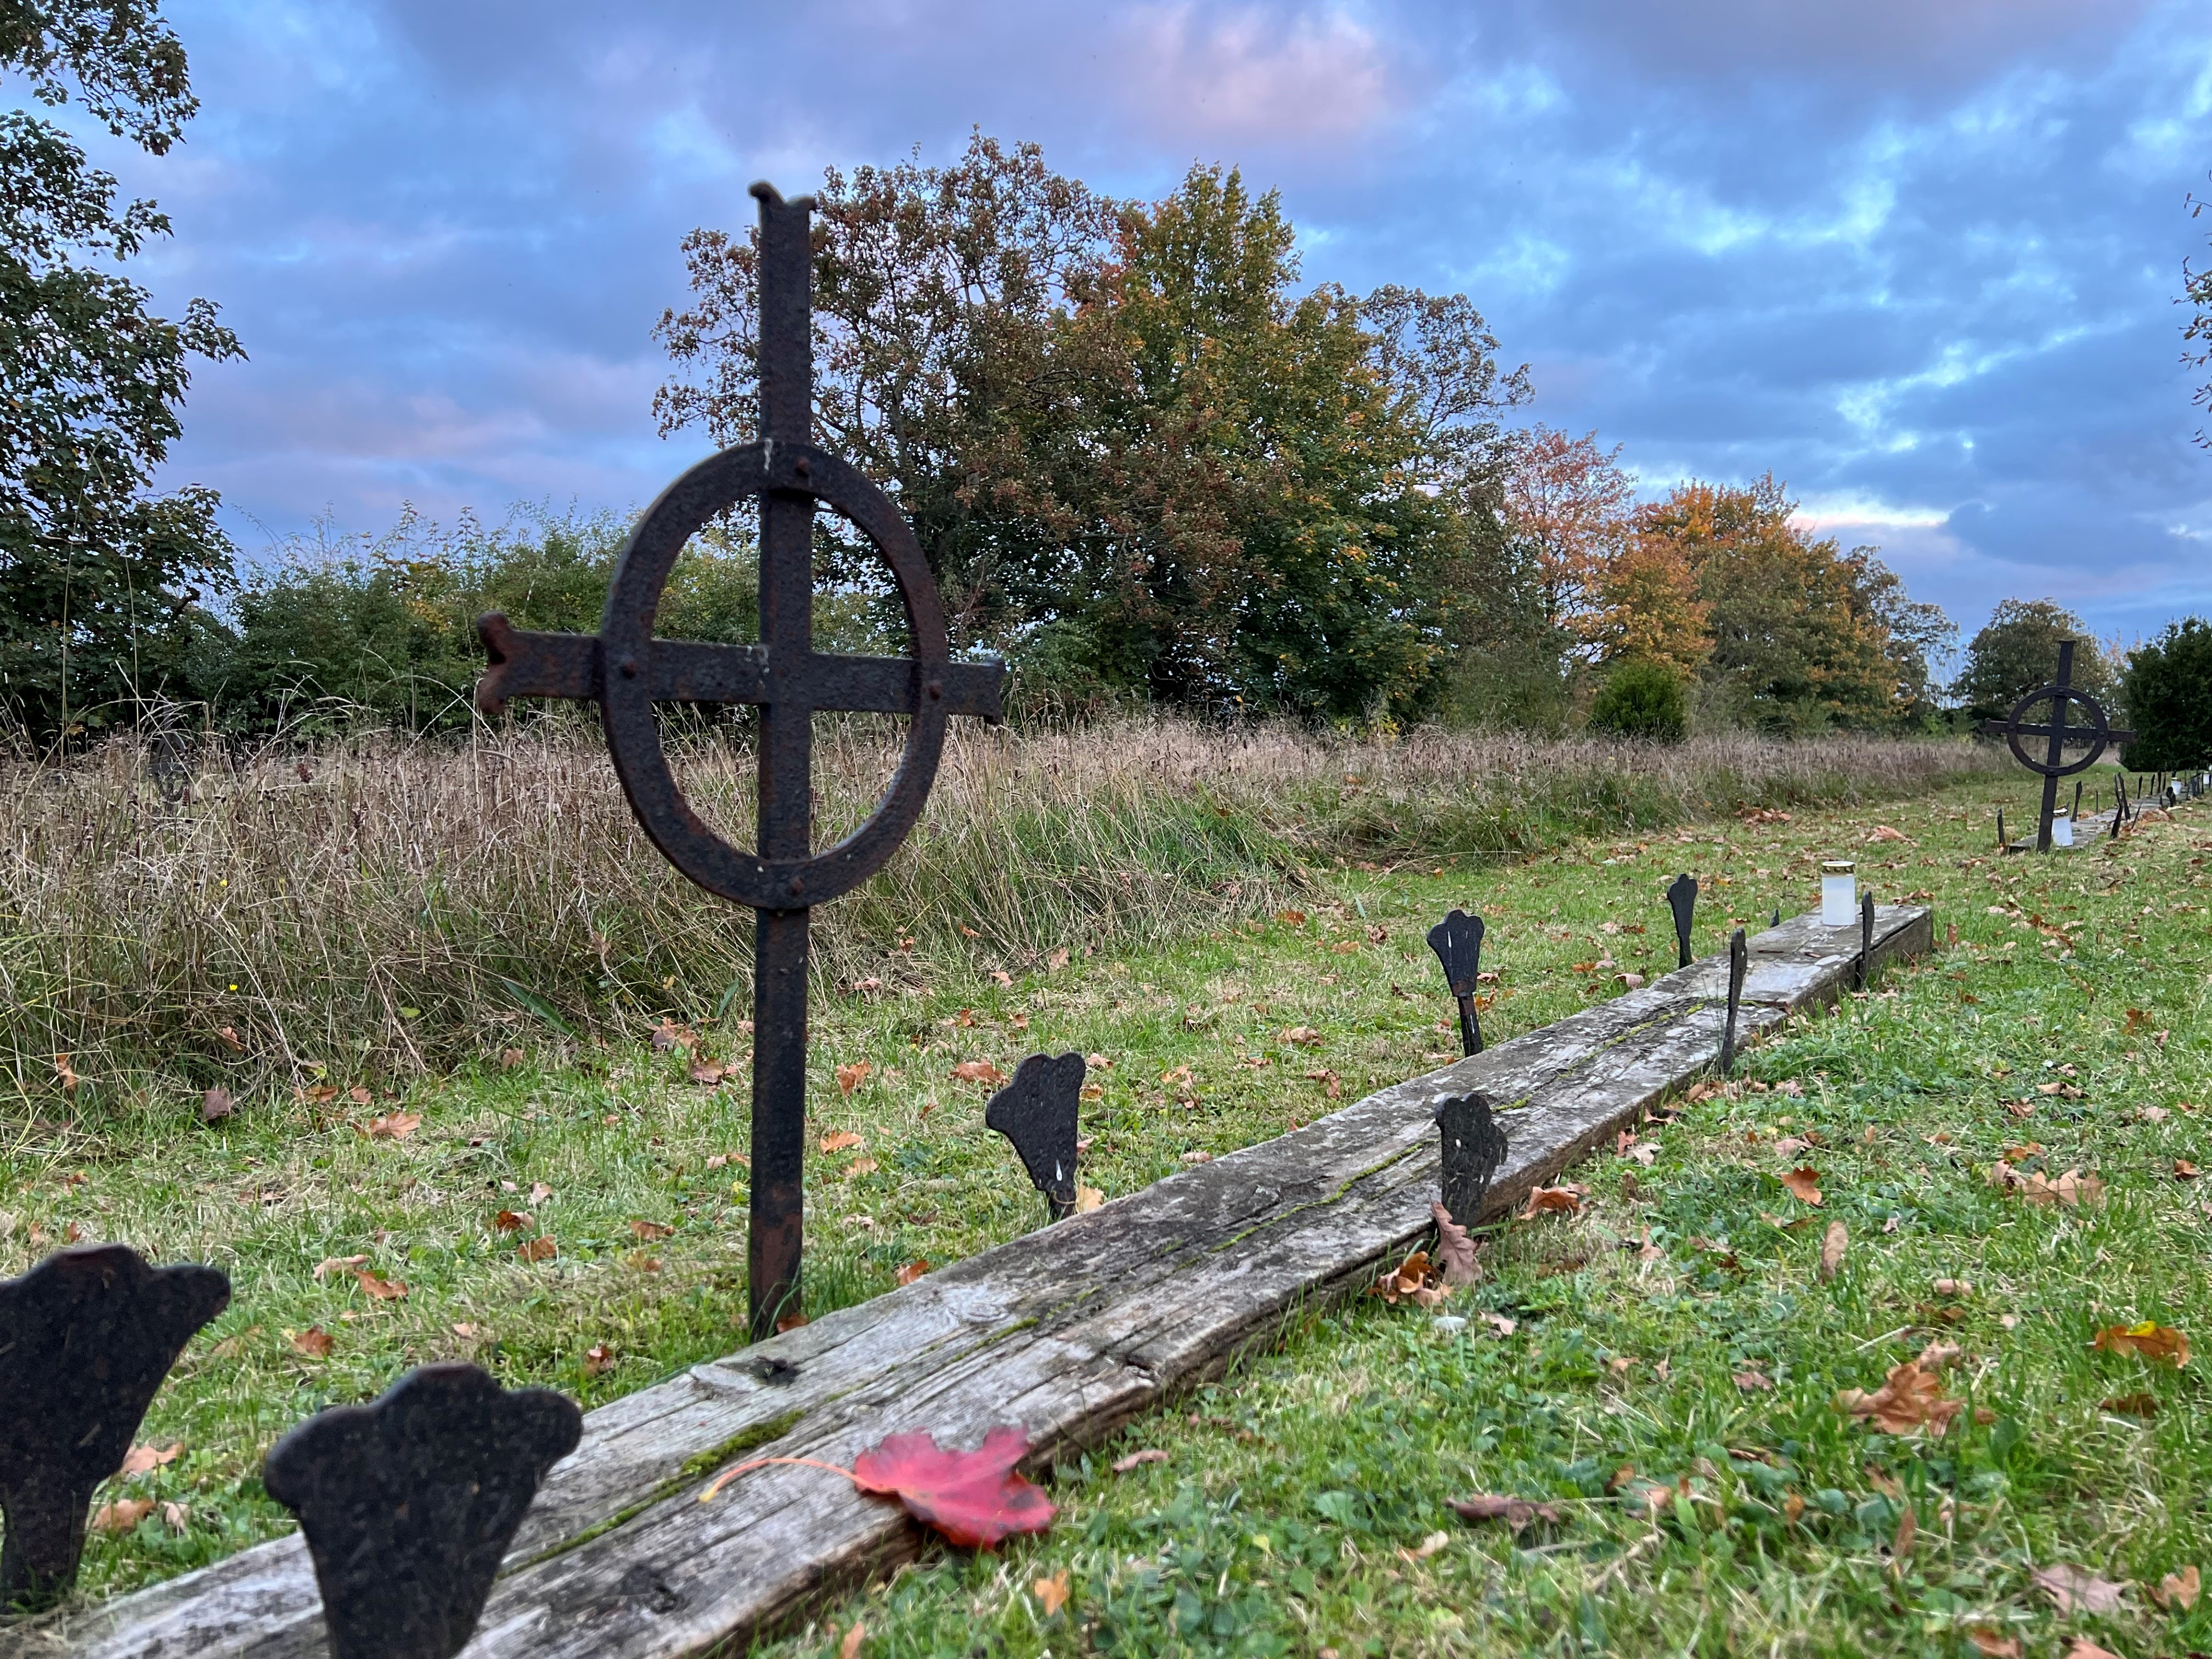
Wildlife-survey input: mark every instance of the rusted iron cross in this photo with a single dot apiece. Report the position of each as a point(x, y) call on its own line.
point(626, 670)
point(2052, 767)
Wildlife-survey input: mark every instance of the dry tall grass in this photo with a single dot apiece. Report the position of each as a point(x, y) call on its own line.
point(385, 906)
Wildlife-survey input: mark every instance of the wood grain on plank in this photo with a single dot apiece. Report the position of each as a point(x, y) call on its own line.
point(1070, 1331)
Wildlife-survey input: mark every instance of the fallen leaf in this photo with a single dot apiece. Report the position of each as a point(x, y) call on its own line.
point(789, 1323)
point(597, 1359)
point(974, 1498)
point(1908, 1398)
point(1753, 1382)
point(1137, 1459)
point(913, 1270)
point(1304, 1036)
point(2083, 1648)
point(314, 1341)
point(1427, 1548)
point(398, 1127)
point(1882, 832)
point(850, 1077)
point(360, 1096)
point(122, 1515)
point(642, 1262)
point(850, 1647)
point(511, 1221)
point(348, 1263)
point(383, 1290)
point(1954, 1287)
point(1515, 1512)
point(1901, 1547)
point(1994, 1642)
point(2184, 1169)
point(1054, 963)
point(215, 1105)
point(1087, 1198)
point(1198, 1158)
point(668, 1035)
point(1804, 1184)
point(1565, 1200)
point(1330, 1085)
point(1938, 1354)
point(2071, 1589)
point(539, 1192)
point(229, 1035)
point(1291, 918)
point(2149, 1340)
point(709, 1073)
point(67, 1073)
point(651, 1229)
point(2179, 1589)
point(1455, 1250)
point(842, 1140)
point(511, 1058)
point(540, 1249)
point(1052, 1593)
point(979, 1071)
point(175, 1517)
point(1414, 1279)
point(1504, 1326)
point(2153, 1114)
point(861, 1166)
point(1832, 1249)
point(2130, 1405)
point(139, 1459)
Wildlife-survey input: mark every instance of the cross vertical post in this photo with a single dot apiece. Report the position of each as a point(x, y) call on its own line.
point(2056, 756)
point(776, 1229)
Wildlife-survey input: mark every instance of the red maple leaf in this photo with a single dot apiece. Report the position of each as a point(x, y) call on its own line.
point(973, 1498)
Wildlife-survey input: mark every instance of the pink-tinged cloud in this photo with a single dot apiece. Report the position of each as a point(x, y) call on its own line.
point(1253, 74)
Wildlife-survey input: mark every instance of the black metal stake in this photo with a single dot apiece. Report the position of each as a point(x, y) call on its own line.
point(85, 1337)
point(1457, 941)
point(1739, 956)
point(2003, 845)
point(1037, 1112)
point(1866, 937)
point(2077, 814)
point(409, 1503)
point(2059, 694)
point(627, 670)
point(1473, 1150)
point(1683, 897)
point(1777, 922)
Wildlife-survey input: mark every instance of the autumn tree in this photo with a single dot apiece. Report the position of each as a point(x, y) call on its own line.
point(99, 578)
point(1571, 503)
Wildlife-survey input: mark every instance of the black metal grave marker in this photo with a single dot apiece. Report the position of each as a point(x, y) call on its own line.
point(1683, 897)
point(2059, 694)
point(1457, 941)
point(86, 1337)
point(1473, 1150)
point(1866, 937)
point(1037, 1112)
point(627, 670)
point(409, 1503)
point(1739, 959)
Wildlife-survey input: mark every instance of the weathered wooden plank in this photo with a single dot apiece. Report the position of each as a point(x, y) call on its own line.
point(1070, 1331)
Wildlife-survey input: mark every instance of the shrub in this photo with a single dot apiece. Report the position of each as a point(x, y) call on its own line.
point(1641, 699)
point(2168, 689)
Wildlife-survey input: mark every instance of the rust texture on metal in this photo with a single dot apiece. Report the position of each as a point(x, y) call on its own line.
point(85, 1337)
point(1682, 898)
point(1037, 1112)
point(1457, 941)
point(409, 1503)
point(627, 670)
point(1738, 960)
point(2061, 694)
point(1473, 1151)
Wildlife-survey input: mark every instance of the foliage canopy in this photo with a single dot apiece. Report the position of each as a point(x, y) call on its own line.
point(2168, 689)
point(98, 578)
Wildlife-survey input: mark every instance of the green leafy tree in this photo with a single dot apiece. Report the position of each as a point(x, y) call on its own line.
point(2168, 686)
point(2017, 650)
point(100, 579)
point(1138, 458)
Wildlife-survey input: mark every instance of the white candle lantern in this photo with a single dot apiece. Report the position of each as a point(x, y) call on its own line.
point(2062, 830)
point(1839, 894)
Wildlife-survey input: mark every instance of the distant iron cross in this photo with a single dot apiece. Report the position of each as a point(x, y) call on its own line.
point(626, 670)
point(2058, 694)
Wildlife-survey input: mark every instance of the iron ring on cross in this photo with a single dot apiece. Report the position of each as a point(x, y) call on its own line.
point(2099, 733)
point(626, 670)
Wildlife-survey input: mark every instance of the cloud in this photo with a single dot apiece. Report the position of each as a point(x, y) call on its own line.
point(1253, 74)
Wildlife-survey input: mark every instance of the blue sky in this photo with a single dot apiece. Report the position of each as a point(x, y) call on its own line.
point(1917, 257)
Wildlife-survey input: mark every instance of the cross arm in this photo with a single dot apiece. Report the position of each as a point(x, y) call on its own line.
point(1999, 729)
point(527, 664)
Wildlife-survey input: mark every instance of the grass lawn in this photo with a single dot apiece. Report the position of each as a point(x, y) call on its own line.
point(1301, 1502)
